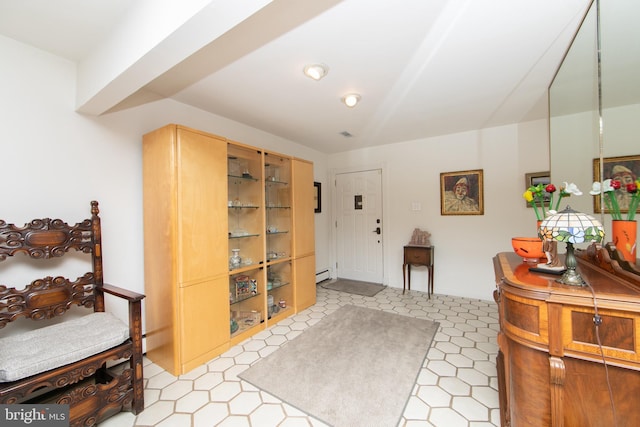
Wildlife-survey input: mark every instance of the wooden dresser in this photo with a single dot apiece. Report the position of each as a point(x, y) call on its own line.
point(551, 369)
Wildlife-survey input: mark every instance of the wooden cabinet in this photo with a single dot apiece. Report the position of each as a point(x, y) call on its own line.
point(564, 349)
point(280, 299)
point(201, 341)
point(206, 199)
point(305, 280)
point(417, 255)
point(184, 177)
point(304, 260)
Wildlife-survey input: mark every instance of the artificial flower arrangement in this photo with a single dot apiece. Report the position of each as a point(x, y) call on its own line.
point(535, 197)
point(608, 189)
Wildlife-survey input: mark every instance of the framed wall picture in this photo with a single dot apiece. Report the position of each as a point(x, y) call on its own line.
point(317, 197)
point(535, 178)
point(625, 169)
point(461, 193)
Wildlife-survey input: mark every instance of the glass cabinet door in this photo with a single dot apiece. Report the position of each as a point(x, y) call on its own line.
point(279, 290)
point(245, 207)
point(246, 239)
point(246, 301)
point(277, 172)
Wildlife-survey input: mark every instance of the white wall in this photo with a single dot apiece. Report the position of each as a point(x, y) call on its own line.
point(55, 161)
point(464, 245)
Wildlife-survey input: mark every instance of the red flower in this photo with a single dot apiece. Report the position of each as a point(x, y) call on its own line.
point(632, 188)
point(615, 184)
point(550, 188)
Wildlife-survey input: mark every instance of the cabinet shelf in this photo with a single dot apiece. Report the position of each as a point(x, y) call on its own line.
point(277, 232)
point(243, 207)
point(245, 267)
point(278, 207)
point(244, 178)
point(279, 285)
point(277, 259)
point(243, 236)
point(243, 327)
point(281, 314)
point(237, 300)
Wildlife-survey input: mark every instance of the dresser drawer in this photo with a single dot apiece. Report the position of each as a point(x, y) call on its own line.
point(417, 255)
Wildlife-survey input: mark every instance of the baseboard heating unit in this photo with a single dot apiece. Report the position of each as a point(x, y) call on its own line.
point(322, 276)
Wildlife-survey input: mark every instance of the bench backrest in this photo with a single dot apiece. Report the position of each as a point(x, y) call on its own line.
point(48, 297)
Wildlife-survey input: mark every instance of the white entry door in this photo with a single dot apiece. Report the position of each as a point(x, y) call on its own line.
point(359, 226)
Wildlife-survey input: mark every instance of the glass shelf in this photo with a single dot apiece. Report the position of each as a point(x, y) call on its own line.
point(271, 181)
point(274, 286)
point(243, 177)
point(243, 298)
point(274, 259)
point(243, 236)
point(246, 267)
point(243, 207)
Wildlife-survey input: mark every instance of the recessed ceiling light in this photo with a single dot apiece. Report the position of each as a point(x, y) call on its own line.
point(351, 99)
point(316, 71)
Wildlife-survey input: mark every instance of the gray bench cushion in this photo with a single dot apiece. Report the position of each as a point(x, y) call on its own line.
point(57, 345)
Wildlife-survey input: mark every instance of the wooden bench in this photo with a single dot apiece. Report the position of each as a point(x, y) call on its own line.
point(91, 362)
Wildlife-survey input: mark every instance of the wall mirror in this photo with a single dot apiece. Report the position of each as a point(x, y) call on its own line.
point(594, 99)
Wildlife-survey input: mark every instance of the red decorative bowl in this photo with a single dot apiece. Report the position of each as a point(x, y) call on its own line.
point(529, 248)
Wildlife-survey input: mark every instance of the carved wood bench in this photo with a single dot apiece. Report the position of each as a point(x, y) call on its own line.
point(66, 362)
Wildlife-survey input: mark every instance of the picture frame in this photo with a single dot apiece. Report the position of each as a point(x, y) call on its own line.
point(616, 167)
point(317, 197)
point(535, 178)
point(462, 192)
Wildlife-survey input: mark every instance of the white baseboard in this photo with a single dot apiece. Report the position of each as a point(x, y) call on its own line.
point(322, 276)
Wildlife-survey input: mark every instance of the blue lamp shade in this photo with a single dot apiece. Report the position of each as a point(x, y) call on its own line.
point(571, 227)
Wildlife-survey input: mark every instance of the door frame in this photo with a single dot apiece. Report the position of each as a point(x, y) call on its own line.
point(334, 216)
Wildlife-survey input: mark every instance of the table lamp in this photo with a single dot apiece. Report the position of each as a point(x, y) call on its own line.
point(571, 227)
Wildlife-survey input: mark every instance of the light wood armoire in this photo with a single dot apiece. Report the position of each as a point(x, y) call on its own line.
point(206, 198)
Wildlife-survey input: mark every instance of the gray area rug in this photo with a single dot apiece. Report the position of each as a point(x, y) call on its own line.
point(357, 287)
point(355, 367)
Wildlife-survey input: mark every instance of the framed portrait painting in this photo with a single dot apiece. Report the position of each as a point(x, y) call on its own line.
point(535, 178)
point(461, 193)
point(625, 169)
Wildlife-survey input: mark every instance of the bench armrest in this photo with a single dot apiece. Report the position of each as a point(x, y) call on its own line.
point(130, 296)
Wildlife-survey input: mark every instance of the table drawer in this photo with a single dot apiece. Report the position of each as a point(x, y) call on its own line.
point(417, 256)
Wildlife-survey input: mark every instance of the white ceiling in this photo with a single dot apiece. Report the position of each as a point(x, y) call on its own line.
point(423, 68)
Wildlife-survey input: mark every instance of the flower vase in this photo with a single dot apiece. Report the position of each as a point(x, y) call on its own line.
point(624, 238)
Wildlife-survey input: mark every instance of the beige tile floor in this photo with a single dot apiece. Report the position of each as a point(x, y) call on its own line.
point(456, 387)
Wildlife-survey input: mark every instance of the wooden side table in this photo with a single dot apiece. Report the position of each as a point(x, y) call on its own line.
point(418, 255)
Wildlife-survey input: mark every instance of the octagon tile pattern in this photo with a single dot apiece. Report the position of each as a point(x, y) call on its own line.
point(457, 385)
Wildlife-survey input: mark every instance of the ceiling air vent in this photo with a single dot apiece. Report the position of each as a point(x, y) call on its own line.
point(346, 134)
